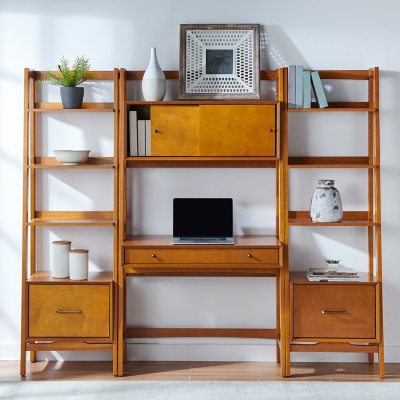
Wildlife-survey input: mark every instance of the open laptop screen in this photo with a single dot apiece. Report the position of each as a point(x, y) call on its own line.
point(202, 217)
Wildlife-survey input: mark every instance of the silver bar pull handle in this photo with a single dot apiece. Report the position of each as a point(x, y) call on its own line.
point(68, 311)
point(334, 312)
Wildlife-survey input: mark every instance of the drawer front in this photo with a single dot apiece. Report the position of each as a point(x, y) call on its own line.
point(319, 311)
point(69, 311)
point(237, 130)
point(198, 256)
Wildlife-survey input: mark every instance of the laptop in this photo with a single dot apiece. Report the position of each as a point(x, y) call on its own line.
point(202, 221)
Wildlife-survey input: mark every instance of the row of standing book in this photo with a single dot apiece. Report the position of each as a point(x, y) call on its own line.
point(300, 84)
point(324, 275)
point(139, 136)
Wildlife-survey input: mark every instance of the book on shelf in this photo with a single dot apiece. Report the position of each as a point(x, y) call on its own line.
point(133, 134)
point(306, 89)
point(299, 86)
point(343, 274)
point(318, 90)
point(141, 128)
point(292, 86)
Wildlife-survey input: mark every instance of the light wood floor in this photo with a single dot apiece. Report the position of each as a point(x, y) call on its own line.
point(221, 371)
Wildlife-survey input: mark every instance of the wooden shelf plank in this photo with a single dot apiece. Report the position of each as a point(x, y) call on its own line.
point(72, 218)
point(154, 241)
point(91, 163)
point(350, 218)
point(93, 278)
point(86, 107)
point(201, 162)
point(200, 332)
point(199, 102)
point(330, 162)
point(348, 106)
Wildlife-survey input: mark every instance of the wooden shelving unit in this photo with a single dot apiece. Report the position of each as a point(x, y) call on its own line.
point(44, 327)
point(363, 323)
point(155, 256)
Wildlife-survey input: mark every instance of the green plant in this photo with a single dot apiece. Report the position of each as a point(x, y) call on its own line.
point(332, 261)
point(69, 77)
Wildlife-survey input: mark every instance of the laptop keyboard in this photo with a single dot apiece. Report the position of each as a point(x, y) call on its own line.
point(202, 240)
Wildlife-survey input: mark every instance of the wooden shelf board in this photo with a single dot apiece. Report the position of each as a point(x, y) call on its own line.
point(86, 107)
point(91, 163)
point(70, 222)
point(330, 162)
point(201, 162)
point(195, 102)
point(350, 218)
point(162, 241)
point(133, 332)
point(298, 277)
point(337, 107)
point(93, 278)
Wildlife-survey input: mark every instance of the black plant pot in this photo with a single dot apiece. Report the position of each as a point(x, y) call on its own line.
point(71, 97)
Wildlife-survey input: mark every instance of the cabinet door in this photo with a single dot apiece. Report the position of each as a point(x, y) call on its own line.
point(174, 130)
point(237, 130)
point(69, 311)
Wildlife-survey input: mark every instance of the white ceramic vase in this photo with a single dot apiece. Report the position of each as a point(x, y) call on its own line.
point(154, 84)
point(326, 203)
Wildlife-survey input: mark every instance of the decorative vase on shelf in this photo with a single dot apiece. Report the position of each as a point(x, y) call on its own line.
point(326, 203)
point(154, 84)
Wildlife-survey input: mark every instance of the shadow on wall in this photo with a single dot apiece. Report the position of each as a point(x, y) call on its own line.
point(277, 50)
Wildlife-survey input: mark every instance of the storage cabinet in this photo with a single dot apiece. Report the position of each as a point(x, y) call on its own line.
point(74, 311)
point(61, 314)
point(213, 130)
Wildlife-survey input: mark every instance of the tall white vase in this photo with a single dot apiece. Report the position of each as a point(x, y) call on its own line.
point(154, 84)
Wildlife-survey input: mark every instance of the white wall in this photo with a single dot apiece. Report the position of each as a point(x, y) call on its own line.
point(355, 34)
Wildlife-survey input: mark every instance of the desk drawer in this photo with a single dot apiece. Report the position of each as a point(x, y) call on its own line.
point(202, 256)
point(334, 311)
point(69, 311)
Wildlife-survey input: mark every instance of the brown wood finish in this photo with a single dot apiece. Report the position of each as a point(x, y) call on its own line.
point(233, 130)
point(200, 332)
point(33, 218)
point(74, 311)
point(364, 323)
point(174, 130)
point(334, 311)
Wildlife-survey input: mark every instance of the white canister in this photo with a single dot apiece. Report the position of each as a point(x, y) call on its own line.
point(78, 264)
point(60, 258)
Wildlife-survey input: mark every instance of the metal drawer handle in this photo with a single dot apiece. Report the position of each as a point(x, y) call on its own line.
point(334, 312)
point(68, 311)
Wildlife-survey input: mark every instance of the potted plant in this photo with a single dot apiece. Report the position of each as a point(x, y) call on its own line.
point(333, 265)
point(69, 79)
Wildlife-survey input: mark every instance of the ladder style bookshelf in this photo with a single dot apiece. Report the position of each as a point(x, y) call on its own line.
point(61, 314)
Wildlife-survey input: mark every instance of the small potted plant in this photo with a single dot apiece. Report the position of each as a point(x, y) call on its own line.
point(333, 265)
point(69, 78)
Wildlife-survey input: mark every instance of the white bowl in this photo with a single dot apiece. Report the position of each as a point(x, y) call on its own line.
point(71, 157)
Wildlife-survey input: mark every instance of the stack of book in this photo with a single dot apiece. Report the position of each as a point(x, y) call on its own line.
point(324, 275)
point(139, 136)
point(300, 84)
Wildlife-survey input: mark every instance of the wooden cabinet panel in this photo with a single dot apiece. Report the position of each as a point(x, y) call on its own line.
point(237, 130)
point(202, 256)
point(318, 311)
point(46, 302)
point(174, 130)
